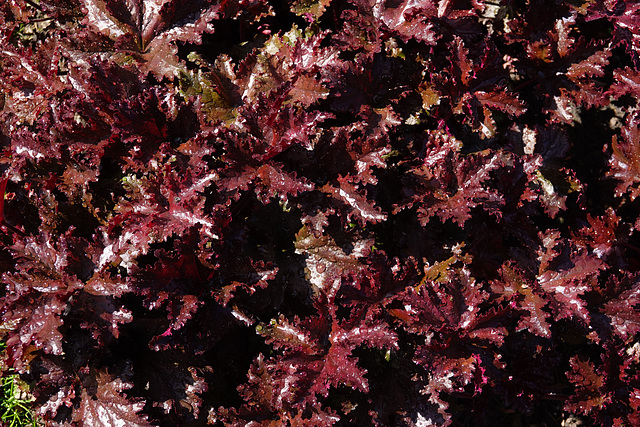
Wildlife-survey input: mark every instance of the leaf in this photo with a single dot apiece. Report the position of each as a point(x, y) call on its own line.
point(270, 180)
point(284, 334)
point(447, 300)
point(272, 387)
point(35, 324)
point(365, 163)
point(512, 286)
point(567, 285)
point(502, 101)
point(547, 253)
point(409, 19)
point(117, 317)
point(102, 284)
point(564, 109)
point(326, 261)
point(154, 210)
point(275, 180)
point(251, 10)
point(64, 397)
point(461, 60)
point(378, 336)
point(194, 391)
point(469, 192)
point(314, 8)
point(624, 164)
point(307, 91)
point(449, 185)
point(624, 18)
point(340, 368)
point(446, 375)
point(626, 81)
point(154, 25)
point(562, 36)
point(593, 66)
point(276, 126)
point(291, 62)
point(109, 407)
point(257, 277)
point(360, 205)
point(601, 233)
point(590, 95)
point(548, 195)
point(588, 383)
point(3, 189)
point(623, 311)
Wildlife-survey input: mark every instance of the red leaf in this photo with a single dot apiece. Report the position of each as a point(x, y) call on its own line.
point(154, 25)
point(624, 311)
point(327, 262)
point(601, 234)
point(307, 91)
point(462, 61)
point(502, 101)
point(340, 368)
point(359, 204)
point(409, 19)
point(285, 334)
point(38, 326)
point(109, 407)
point(102, 284)
point(566, 285)
point(275, 180)
point(470, 174)
point(593, 66)
point(588, 383)
point(315, 7)
point(513, 286)
point(626, 81)
point(624, 164)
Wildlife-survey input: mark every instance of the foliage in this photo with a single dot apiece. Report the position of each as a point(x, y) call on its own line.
point(321, 212)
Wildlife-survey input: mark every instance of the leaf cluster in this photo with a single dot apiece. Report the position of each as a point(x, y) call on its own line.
point(321, 212)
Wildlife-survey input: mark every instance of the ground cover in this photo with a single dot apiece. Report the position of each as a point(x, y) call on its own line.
point(317, 213)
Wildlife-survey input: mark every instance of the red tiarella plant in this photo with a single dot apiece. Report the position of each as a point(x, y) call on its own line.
point(322, 212)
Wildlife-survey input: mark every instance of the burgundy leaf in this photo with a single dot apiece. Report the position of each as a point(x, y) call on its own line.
point(307, 91)
point(104, 284)
point(601, 234)
point(624, 313)
point(154, 26)
point(512, 286)
point(285, 334)
point(109, 406)
point(274, 180)
point(626, 81)
point(340, 368)
point(36, 325)
point(502, 101)
point(365, 210)
point(593, 66)
point(326, 261)
point(567, 285)
point(462, 61)
point(409, 19)
point(624, 164)
point(588, 383)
